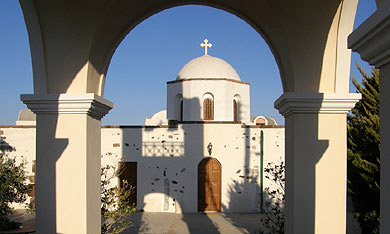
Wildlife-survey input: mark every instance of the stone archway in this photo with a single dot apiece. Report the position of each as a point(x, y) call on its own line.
point(72, 43)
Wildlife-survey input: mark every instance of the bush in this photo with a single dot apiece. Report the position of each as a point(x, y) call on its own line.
point(115, 202)
point(13, 187)
point(273, 219)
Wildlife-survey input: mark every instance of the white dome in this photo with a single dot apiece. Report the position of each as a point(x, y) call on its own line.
point(207, 66)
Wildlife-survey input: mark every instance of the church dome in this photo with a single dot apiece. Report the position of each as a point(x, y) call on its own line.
point(207, 66)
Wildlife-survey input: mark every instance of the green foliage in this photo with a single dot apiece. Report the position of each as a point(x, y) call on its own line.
point(31, 206)
point(364, 153)
point(115, 202)
point(13, 187)
point(273, 219)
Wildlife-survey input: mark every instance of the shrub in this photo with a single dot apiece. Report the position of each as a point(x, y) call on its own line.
point(273, 219)
point(13, 187)
point(115, 202)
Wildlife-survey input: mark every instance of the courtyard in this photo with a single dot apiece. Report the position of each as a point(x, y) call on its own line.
point(199, 223)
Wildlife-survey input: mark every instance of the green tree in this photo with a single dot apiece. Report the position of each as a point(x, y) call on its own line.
point(364, 153)
point(13, 187)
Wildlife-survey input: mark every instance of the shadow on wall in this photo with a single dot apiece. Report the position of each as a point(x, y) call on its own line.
point(49, 149)
point(246, 184)
point(301, 163)
point(167, 159)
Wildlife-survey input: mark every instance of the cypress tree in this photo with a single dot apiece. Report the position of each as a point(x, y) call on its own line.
point(364, 153)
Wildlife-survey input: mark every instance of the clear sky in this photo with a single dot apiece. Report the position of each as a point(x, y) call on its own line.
point(153, 53)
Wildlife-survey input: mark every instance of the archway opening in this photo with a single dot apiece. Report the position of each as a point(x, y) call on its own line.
point(166, 51)
point(161, 36)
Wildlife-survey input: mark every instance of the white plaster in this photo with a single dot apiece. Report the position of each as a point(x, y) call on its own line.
point(223, 92)
point(326, 103)
point(88, 103)
point(175, 149)
point(160, 118)
point(37, 47)
point(207, 66)
point(371, 39)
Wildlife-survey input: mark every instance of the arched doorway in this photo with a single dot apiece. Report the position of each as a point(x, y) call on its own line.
point(209, 185)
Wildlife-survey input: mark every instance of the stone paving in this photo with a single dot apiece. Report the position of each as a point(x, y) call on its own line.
point(171, 223)
point(210, 223)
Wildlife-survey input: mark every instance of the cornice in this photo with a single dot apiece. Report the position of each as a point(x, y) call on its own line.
point(208, 79)
point(372, 38)
point(89, 103)
point(316, 103)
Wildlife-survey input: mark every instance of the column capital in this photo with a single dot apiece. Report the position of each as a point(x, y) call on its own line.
point(88, 103)
point(316, 103)
point(371, 39)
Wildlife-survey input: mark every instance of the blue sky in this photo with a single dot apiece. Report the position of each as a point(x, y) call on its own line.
point(153, 53)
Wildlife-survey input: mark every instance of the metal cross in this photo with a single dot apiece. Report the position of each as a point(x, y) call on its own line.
point(205, 45)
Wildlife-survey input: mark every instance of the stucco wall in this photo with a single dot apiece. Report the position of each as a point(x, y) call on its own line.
point(167, 161)
point(223, 92)
point(19, 143)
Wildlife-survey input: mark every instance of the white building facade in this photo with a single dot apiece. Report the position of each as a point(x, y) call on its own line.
point(204, 153)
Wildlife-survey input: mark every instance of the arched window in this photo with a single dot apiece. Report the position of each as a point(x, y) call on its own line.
point(181, 110)
point(236, 108)
point(260, 121)
point(178, 107)
point(235, 114)
point(208, 109)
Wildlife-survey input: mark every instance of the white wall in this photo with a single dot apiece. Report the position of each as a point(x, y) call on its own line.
point(22, 141)
point(171, 155)
point(223, 92)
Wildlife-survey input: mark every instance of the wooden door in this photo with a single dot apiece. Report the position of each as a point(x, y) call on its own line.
point(128, 172)
point(209, 185)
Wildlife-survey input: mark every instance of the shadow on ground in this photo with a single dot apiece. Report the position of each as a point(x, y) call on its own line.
point(211, 223)
point(171, 223)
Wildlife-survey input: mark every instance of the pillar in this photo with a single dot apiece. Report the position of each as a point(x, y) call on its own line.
point(67, 161)
point(372, 41)
point(316, 161)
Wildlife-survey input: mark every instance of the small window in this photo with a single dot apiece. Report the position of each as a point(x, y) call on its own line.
point(208, 109)
point(235, 114)
point(181, 110)
point(260, 121)
point(178, 107)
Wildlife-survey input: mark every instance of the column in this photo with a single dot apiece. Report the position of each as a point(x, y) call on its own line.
point(67, 161)
point(316, 160)
point(372, 41)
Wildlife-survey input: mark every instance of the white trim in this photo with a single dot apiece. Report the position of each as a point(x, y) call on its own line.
point(313, 103)
point(208, 95)
point(89, 103)
point(372, 38)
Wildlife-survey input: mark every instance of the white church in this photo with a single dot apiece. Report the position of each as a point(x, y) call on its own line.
point(204, 153)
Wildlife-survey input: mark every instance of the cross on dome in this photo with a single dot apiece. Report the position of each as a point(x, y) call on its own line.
point(205, 44)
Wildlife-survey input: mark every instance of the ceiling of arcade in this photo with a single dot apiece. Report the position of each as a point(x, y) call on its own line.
point(75, 40)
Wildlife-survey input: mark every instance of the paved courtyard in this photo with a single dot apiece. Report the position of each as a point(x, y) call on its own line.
point(211, 223)
point(171, 223)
